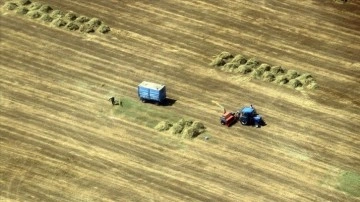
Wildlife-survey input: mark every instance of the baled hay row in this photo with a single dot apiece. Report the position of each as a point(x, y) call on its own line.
point(183, 128)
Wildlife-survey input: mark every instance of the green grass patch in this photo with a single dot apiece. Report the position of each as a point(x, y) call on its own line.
point(349, 182)
point(144, 113)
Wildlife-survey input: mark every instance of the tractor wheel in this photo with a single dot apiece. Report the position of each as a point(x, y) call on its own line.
point(243, 122)
point(222, 123)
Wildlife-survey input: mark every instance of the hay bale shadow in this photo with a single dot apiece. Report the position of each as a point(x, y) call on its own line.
point(22, 10)
point(10, 6)
point(23, 2)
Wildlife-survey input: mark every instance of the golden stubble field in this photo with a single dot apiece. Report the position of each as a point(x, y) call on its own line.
point(61, 140)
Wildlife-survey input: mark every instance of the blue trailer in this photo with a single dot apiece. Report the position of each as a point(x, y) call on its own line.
point(154, 92)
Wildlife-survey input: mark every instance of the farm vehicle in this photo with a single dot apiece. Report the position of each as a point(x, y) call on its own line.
point(246, 116)
point(152, 92)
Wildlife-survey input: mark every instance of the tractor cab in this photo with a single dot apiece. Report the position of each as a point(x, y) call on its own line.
point(228, 118)
point(248, 116)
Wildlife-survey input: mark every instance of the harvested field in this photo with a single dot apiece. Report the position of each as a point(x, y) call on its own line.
point(61, 139)
point(34, 10)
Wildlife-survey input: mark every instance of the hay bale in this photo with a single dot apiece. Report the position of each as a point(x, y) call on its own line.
point(163, 126)
point(34, 14)
point(35, 6)
point(46, 18)
point(252, 63)
point(23, 2)
point(217, 62)
point(103, 29)
point(229, 67)
point(72, 26)
point(10, 6)
point(239, 59)
point(189, 133)
point(225, 55)
point(256, 74)
point(198, 125)
point(295, 83)
point(264, 67)
point(281, 79)
point(268, 76)
point(312, 85)
point(244, 69)
point(192, 131)
point(82, 19)
point(276, 70)
point(22, 10)
point(292, 74)
point(306, 78)
point(59, 22)
point(90, 26)
point(45, 8)
point(178, 127)
point(55, 14)
point(70, 16)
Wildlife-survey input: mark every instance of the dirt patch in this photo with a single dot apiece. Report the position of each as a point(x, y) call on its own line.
point(60, 19)
point(186, 129)
point(225, 61)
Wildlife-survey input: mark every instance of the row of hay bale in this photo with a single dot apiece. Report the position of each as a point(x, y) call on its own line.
point(186, 129)
point(57, 18)
point(276, 74)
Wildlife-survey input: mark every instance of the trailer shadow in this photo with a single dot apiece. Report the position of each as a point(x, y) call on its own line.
point(168, 102)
